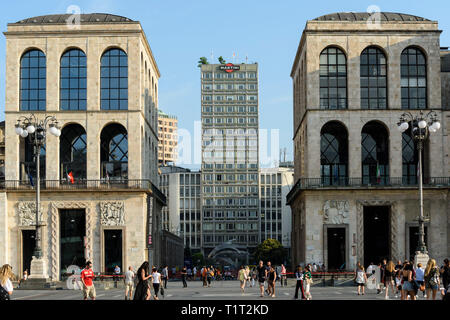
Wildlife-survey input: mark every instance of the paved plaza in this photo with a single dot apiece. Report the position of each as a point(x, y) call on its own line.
point(219, 290)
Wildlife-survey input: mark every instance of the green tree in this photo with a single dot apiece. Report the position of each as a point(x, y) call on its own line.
point(270, 250)
point(203, 60)
point(221, 60)
point(198, 259)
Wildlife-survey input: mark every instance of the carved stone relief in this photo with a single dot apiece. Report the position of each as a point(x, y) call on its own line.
point(112, 213)
point(335, 212)
point(27, 213)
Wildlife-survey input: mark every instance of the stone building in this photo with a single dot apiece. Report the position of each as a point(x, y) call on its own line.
point(99, 79)
point(356, 196)
point(168, 138)
point(2, 150)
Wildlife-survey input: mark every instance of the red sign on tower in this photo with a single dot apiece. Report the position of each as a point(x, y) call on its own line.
point(229, 67)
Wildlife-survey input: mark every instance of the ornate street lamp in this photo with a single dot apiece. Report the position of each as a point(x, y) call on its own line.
point(421, 127)
point(35, 130)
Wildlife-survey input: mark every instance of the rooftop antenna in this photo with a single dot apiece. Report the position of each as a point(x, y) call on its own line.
point(234, 57)
point(212, 55)
point(246, 58)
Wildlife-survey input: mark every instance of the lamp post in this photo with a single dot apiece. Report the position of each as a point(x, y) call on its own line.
point(420, 129)
point(35, 130)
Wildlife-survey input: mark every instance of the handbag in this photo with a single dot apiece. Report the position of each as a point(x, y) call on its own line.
point(4, 295)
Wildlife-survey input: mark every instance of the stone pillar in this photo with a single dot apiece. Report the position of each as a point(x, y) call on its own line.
point(4, 235)
point(354, 148)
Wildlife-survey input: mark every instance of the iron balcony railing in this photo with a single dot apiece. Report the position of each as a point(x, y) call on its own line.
point(366, 182)
point(84, 184)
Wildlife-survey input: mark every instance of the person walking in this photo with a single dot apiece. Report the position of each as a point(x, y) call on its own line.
point(156, 281)
point(388, 280)
point(247, 275)
point(242, 279)
point(87, 277)
point(360, 278)
point(407, 286)
point(116, 273)
point(194, 272)
point(189, 273)
point(307, 276)
point(431, 276)
point(209, 275)
point(129, 283)
point(6, 286)
point(445, 273)
point(204, 271)
point(165, 276)
point(142, 291)
point(268, 265)
point(271, 281)
point(299, 285)
point(283, 275)
point(398, 285)
point(183, 276)
point(262, 275)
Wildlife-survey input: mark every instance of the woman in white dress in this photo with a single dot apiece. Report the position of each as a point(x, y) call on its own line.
point(6, 286)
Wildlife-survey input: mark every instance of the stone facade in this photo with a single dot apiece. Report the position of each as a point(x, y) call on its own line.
point(314, 211)
point(129, 207)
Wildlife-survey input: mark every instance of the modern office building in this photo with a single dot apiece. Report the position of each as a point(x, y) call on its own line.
point(356, 194)
point(275, 184)
point(230, 160)
point(100, 80)
point(182, 215)
point(168, 138)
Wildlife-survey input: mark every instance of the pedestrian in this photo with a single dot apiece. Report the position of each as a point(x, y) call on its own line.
point(314, 267)
point(431, 276)
point(204, 271)
point(183, 276)
point(25, 277)
point(262, 275)
point(283, 275)
point(87, 277)
point(210, 275)
point(129, 283)
point(189, 273)
point(360, 278)
point(156, 281)
point(382, 268)
point(407, 286)
point(307, 276)
point(271, 281)
point(398, 285)
point(142, 291)
point(388, 280)
point(6, 286)
point(194, 272)
point(420, 278)
point(247, 276)
point(445, 273)
point(116, 273)
point(268, 265)
point(242, 278)
point(299, 285)
point(165, 276)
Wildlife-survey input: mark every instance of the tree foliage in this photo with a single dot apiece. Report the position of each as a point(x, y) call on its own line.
point(270, 250)
point(203, 60)
point(198, 259)
point(221, 60)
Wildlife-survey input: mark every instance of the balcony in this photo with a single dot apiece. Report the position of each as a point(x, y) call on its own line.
point(365, 183)
point(112, 184)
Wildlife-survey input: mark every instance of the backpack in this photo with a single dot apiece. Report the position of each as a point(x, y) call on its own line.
point(4, 295)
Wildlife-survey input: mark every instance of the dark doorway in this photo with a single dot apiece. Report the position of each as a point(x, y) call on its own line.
point(113, 250)
point(376, 234)
point(414, 240)
point(72, 233)
point(336, 248)
point(28, 245)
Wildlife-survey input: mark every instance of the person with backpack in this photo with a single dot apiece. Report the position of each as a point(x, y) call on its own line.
point(432, 281)
point(6, 286)
point(210, 275)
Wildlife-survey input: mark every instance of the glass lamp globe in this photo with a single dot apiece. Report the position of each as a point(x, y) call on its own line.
point(24, 134)
point(31, 129)
point(436, 125)
point(58, 132)
point(422, 124)
point(432, 129)
point(19, 130)
point(53, 130)
point(404, 126)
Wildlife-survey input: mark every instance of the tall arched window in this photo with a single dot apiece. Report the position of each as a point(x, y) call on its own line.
point(72, 151)
point(114, 152)
point(333, 79)
point(73, 80)
point(413, 79)
point(33, 74)
point(373, 79)
point(410, 159)
point(28, 161)
point(114, 80)
point(375, 153)
point(333, 154)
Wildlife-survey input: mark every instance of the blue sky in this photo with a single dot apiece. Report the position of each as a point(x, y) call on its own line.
point(179, 32)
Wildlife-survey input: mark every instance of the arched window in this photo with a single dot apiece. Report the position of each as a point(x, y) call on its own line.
point(114, 80)
point(413, 79)
point(33, 76)
point(72, 152)
point(333, 79)
point(375, 153)
point(333, 154)
point(73, 80)
point(410, 159)
point(114, 152)
point(373, 79)
point(28, 161)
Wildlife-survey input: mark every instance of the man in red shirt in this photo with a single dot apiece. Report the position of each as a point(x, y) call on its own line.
point(87, 277)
